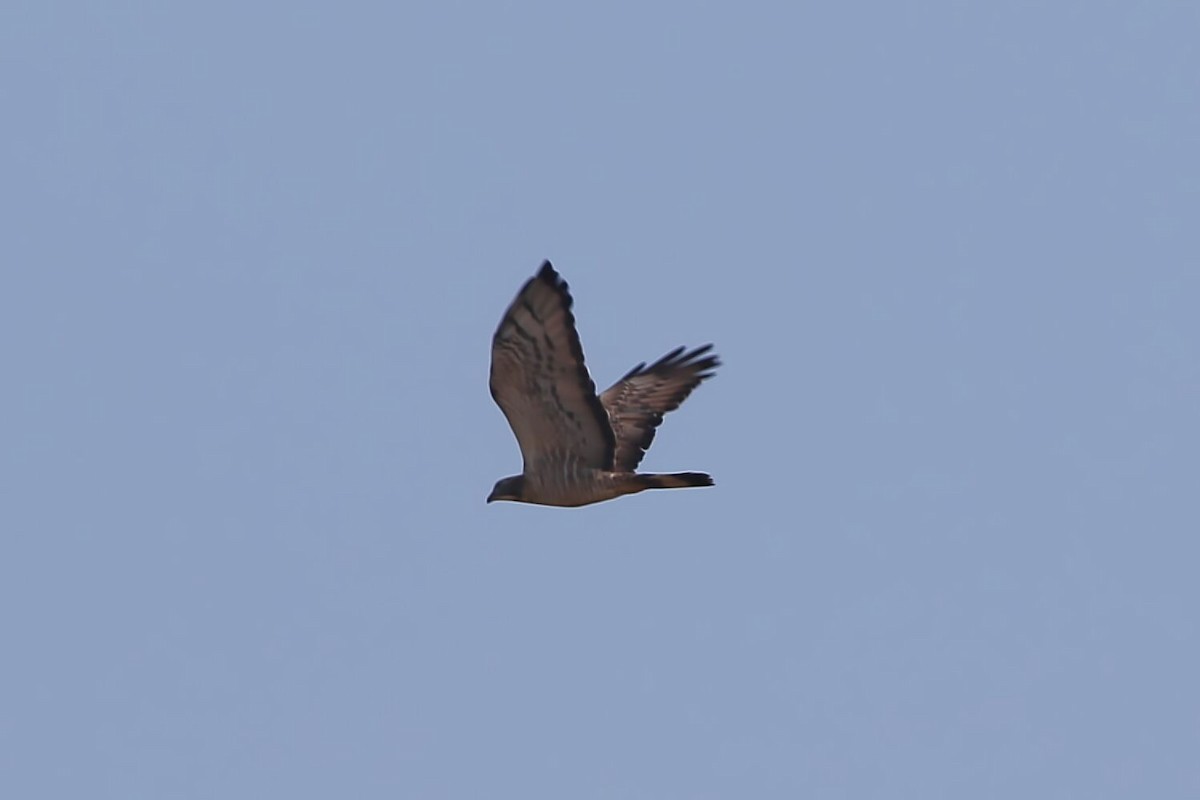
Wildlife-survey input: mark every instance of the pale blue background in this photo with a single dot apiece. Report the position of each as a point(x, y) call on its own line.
point(253, 255)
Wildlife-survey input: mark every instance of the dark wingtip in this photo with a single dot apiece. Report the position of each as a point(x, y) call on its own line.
point(549, 276)
point(705, 365)
point(699, 360)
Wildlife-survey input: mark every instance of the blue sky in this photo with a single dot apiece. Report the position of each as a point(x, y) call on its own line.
point(254, 255)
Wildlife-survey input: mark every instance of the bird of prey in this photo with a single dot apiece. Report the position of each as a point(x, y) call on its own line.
point(579, 448)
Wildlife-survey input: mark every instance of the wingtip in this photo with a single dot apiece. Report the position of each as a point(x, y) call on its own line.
point(701, 360)
point(705, 360)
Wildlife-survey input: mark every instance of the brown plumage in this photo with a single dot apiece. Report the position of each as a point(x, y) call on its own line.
point(580, 448)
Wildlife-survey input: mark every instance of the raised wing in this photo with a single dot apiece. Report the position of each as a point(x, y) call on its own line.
point(636, 403)
point(540, 382)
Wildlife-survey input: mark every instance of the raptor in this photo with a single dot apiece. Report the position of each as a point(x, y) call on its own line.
point(579, 448)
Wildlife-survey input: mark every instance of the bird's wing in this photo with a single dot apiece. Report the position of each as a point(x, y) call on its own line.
point(636, 403)
point(539, 380)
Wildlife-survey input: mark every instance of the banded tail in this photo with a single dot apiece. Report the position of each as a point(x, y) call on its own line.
point(675, 480)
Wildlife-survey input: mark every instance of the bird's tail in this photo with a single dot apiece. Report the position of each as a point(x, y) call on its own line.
point(675, 480)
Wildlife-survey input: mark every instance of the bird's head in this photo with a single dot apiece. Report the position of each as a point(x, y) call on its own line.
point(510, 488)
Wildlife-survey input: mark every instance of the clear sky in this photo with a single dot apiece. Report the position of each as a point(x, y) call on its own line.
point(252, 258)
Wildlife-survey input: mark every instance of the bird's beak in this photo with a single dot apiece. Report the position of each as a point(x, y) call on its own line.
point(491, 497)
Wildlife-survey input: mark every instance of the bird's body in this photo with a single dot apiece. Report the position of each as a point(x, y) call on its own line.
point(564, 481)
point(559, 479)
point(580, 448)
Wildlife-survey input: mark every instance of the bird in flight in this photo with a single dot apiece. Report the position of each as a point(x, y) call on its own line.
point(579, 448)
